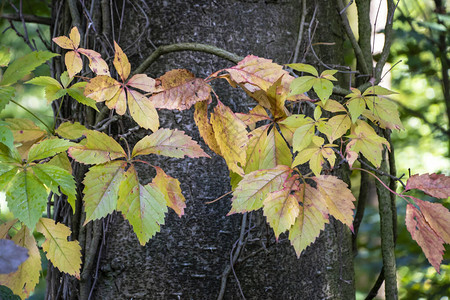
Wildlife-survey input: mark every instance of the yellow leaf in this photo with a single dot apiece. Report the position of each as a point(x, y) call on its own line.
point(74, 36)
point(231, 135)
point(118, 102)
point(204, 126)
point(142, 82)
point(64, 42)
point(23, 281)
point(96, 63)
point(73, 62)
point(101, 88)
point(142, 110)
point(170, 188)
point(121, 63)
point(64, 254)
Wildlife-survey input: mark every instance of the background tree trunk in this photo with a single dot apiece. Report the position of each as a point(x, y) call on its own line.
point(187, 259)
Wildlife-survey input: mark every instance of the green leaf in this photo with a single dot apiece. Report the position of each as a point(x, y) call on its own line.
point(99, 148)
point(302, 84)
point(7, 172)
point(5, 56)
point(316, 154)
point(356, 106)
point(48, 148)
point(303, 134)
point(337, 127)
point(71, 131)
point(304, 68)
point(328, 74)
point(26, 197)
point(64, 254)
point(6, 136)
point(53, 177)
point(101, 188)
point(323, 89)
point(253, 189)
point(168, 142)
point(77, 92)
point(143, 206)
point(44, 81)
point(377, 90)
point(8, 155)
point(24, 130)
point(6, 94)
point(383, 112)
point(65, 79)
point(25, 65)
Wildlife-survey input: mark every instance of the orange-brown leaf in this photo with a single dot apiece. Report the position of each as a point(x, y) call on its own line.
point(170, 188)
point(431, 243)
point(204, 126)
point(96, 62)
point(142, 82)
point(437, 216)
point(179, 89)
point(435, 185)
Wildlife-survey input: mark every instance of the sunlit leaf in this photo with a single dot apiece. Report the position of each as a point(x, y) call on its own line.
point(76, 91)
point(64, 254)
point(304, 68)
point(170, 188)
point(71, 131)
point(337, 126)
point(101, 188)
point(436, 185)
point(302, 84)
point(316, 153)
point(377, 90)
point(304, 133)
point(168, 142)
point(332, 106)
point(356, 107)
point(143, 111)
point(383, 112)
point(6, 94)
point(48, 148)
point(73, 62)
point(323, 88)
point(143, 206)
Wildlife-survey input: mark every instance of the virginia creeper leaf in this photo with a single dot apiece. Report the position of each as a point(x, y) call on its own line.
point(48, 148)
point(253, 189)
point(142, 110)
point(168, 142)
point(431, 243)
point(180, 90)
point(435, 185)
point(304, 133)
point(25, 130)
point(71, 131)
point(101, 88)
point(96, 63)
point(53, 89)
point(26, 197)
point(99, 148)
point(143, 206)
point(204, 126)
point(316, 153)
point(258, 113)
point(383, 112)
point(290, 124)
point(437, 217)
point(170, 188)
point(5, 56)
point(332, 106)
point(6, 94)
point(323, 88)
point(377, 90)
point(64, 254)
point(76, 91)
point(23, 281)
point(304, 68)
point(302, 84)
point(25, 65)
point(337, 126)
point(6, 136)
point(54, 177)
point(356, 107)
point(101, 188)
point(121, 62)
point(231, 135)
point(142, 82)
point(61, 160)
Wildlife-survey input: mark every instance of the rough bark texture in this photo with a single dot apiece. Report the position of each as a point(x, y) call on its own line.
point(186, 260)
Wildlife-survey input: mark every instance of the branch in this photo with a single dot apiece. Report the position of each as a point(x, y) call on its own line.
point(300, 32)
point(161, 50)
point(27, 18)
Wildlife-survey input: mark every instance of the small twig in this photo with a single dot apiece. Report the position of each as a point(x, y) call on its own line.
point(215, 200)
point(347, 6)
point(390, 69)
point(374, 291)
point(187, 47)
point(381, 173)
point(300, 32)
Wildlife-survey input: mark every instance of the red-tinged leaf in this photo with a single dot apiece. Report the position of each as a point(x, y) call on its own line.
point(142, 110)
point(73, 63)
point(231, 135)
point(180, 90)
point(64, 254)
point(437, 216)
point(256, 73)
point(71, 131)
point(99, 148)
point(101, 88)
point(338, 197)
point(24, 130)
point(281, 209)
point(143, 206)
point(258, 113)
point(96, 62)
point(435, 185)
point(365, 140)
point(121, 63)
point(310, 221)
point(142, 82)
point(254, 188)
point(432, 244)
point(204, 126)
point(170, 188)
point(101, 188)
point(23, 281)
point(168, 142)
point(266, 149)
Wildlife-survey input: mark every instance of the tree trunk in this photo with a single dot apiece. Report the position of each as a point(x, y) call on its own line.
point(187, 259)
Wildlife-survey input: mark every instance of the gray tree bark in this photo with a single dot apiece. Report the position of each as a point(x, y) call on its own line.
point(187, 258)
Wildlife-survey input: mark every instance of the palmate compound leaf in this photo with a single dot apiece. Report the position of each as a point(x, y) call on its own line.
point(338, 198)
point(266, 149)
point(64, 254)
point(281, 208)
point(435, 185)
point(231, 135)
point(365, 140)
point(253, 189)
point(99, 148)
point(316, 153)
point(311, 218)
point(170, 188)
point(168, 142)
point(48, 148)
point(55, 178)
point(53, 89)
point(23, 281)
point(382, 112)
point(204, 126)
point(26, 197)
point(121, 63)
point(179, 89)
point(337, 126)
point(430, 242)
point(101, 188)
point(143, 206)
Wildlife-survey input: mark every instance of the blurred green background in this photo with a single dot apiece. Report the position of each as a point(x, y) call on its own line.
point(423, 147)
